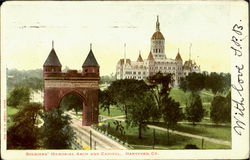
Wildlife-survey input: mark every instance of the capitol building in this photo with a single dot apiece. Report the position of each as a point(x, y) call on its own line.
point(155, 62)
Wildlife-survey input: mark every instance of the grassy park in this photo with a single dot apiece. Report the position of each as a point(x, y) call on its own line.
point(205, 128)
point(113, 112)
point(10, 111)
point(175, 141)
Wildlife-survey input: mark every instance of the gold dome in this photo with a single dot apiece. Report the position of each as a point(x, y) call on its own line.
point(157, 35)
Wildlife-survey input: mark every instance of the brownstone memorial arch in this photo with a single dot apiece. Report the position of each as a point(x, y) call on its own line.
point(85, 85)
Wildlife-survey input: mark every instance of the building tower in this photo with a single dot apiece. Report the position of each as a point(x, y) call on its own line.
point(179, 69)
point(150, 64)
point(90, 66)
point(52, 64)
point(158, 43)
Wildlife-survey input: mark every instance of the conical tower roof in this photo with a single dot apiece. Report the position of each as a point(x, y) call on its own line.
point(150, 56)
point(178, 56)
point(90, 60)
point(139, 59)
point(52, 59)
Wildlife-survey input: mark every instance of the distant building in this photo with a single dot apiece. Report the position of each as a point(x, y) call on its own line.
point(155, 62)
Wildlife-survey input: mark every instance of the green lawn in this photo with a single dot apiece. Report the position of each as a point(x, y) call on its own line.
point(10, 111)
point(176, 141)
point(179, 95)
point(182, 97)
point(204, 130)
point(114, 111)
point(207, 107)
point(206, 96)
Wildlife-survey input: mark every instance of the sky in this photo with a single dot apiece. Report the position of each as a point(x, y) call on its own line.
point(28, 29)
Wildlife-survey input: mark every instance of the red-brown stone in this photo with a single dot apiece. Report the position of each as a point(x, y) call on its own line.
point(58, 84)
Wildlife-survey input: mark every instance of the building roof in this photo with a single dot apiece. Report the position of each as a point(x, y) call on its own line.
point(52, 59)
point(122, 61)
point(188, 64)
point(150, 56)
point(139, 59)
point(157, 35)
point(90, 60)
point(178, 57)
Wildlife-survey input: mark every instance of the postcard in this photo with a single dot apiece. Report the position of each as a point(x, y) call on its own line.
point(124, 80)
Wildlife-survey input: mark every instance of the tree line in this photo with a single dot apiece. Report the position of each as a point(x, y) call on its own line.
point(219, 84)
point(24, 78)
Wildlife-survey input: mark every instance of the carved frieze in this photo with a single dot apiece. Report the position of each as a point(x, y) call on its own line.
point(70, 84)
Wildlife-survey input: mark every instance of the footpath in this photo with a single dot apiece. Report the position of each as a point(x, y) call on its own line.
point(213, 140)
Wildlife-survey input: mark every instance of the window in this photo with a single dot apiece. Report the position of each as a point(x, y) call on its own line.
point(139, 72)
point(134, 72)
point(86, 70)
point(127, 72)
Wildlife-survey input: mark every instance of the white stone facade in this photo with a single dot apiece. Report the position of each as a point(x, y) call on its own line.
point(156, 62)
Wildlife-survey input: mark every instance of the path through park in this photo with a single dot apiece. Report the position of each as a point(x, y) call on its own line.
point(213, 140)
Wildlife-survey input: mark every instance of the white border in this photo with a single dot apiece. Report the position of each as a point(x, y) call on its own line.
point(240, 144)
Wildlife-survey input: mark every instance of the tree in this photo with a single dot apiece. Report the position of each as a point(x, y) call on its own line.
point(106, 100)
point(71, 101)
point(19, 96)
point(194, 109)
point(107, 79)
point(119, 127)
point(221, 109)
point(160, 86)
point(56, 130)
point(136, 99)
point(194, 82)
point(139, 111)
point(25, 134)
point(123, 91)
point(171, 113)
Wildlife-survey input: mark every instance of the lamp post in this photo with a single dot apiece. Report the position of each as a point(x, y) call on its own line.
point(153, 138)
point(90, 139)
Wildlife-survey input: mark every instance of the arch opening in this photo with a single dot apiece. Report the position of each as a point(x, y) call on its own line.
point(74, 103)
